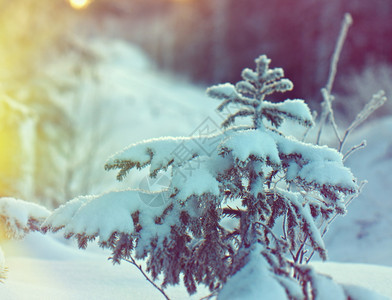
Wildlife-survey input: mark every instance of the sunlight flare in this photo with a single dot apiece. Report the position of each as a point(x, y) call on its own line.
point(79, 4)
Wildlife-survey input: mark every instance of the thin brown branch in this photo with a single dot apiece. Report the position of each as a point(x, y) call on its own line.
point(354, 149)
point(160, 289)
point(326, 92)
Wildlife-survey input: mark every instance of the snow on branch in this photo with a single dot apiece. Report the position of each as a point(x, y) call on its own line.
point(295, 110)
point(319, 166)
point(243, 144)
point(104, 216)
point(18, 217)
point(159, 154)
point(253, 280)
point(301, 214)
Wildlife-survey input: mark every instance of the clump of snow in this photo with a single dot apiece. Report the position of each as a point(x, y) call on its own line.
point(309, 152)
point(225, 90)
point(162, 152)
point(253, 281)
point(20, 216)
point(199, 182)
point(328, 172)
point(101, 216)
point(320, 164)
point(292, 109)
point(259, 143)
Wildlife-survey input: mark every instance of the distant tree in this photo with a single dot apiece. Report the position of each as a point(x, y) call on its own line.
point(17, 133)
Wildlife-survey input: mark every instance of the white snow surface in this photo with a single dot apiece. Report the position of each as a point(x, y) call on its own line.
point(48, 267)
point(369, 277)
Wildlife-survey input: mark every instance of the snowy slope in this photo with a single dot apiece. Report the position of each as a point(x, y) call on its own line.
point(139, 103)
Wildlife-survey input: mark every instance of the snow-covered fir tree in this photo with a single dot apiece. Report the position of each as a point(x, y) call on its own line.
point(279, 192)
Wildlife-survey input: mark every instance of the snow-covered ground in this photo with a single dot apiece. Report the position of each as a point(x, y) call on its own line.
point(42, 267)
point(151, 104)
point(45, 267)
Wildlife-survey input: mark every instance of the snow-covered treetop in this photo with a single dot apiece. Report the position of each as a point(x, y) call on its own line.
point(249, 95)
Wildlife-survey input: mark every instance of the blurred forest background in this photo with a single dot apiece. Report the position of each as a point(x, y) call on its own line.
point(55, 114)
point(212, 41)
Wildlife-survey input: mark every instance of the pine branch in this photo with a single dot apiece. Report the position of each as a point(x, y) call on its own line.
point(241, 113)
point(352, 197)
point(239, 101)
point(231, 212)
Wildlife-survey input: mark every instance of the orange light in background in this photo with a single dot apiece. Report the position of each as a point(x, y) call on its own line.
point(79, 4)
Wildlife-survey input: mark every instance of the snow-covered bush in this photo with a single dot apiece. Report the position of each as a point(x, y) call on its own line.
point(17, 218)
point(281, 192)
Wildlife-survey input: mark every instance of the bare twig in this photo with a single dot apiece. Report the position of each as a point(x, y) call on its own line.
point(354, 149)
point(327, 103)
point(210, 296)
point(160, 289)
point(301, 251)
point(377, 100)
point(314, 116)
point(347, 22)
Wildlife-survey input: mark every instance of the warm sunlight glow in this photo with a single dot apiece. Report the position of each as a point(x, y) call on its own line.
point(79, 4)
